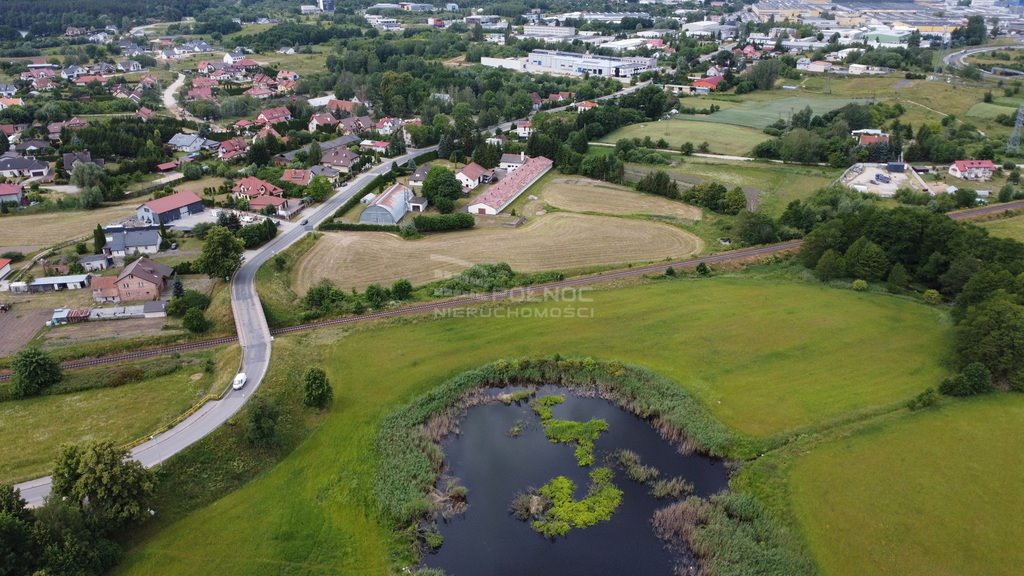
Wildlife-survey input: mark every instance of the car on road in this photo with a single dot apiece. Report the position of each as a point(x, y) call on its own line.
point(239, 381)
point(304, 221)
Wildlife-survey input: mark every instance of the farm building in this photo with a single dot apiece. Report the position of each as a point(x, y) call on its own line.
point(69, 316)
point(418, 204)
point(5, 267)
point(388, 207)
point(12, 194)
point(512, 162)
point(58, 283)
point(979, 170)
point(170, 208)
point(500, 195)
point(94, 262)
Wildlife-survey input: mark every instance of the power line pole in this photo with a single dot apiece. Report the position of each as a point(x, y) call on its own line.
point(1014, 144)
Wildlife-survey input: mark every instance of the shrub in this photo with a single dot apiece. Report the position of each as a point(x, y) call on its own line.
point(925, 399)
point(195, 321)
point(703, 269)
point(932, 297)
point(860, 285)
point(261, 422)
point(444, 222)
point(188, 300)
point(34, 371)
point(317, 391)
point(974, 379)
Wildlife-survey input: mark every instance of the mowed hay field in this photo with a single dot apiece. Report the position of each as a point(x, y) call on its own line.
point(32, 232)
point(32, 430)
point(584, 195)
point(723, 139)
point(935, 493)
point(1006, 228)
point(758, 113)
point(766, 356)
point(558, 241)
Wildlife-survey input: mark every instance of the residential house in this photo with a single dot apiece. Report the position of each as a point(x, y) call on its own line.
point(711, 82)
point(268, 131)
point(322, 171)
point(170, 208)
point(12, 194)
point(586, 105)
point(234, 57)
point(341, 106)
point(354, 124)
point(5, 267)
point(23, 167)
point(497, 140)
point(7, 90)
point(536, 101)
point(196, 94)
point(144, 114)
point(297, 177)
point(419, 175)
point(287, 75)
point(6, 103)
point(524, 129)
point(389, 207)
point(869, 136)
point(378, 146)
point(259, 92)
point(73, 71)
point(388, 126)
point(340, 158)
point(283, 207)
point(322, 119)
point(979, 170)
point(252, 187)
point(30, 147)
point(122, 242)
point(232, 148)
point(273, 116)
point(69, 159)
point(191, 143)
point(143, 279)
point(472, 175)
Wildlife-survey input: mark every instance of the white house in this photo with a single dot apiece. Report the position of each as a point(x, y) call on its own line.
point(524, 129)
point(512, 162)
point(472, 175)
point(980, 170)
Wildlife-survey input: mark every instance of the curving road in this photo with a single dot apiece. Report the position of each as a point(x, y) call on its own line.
point(251, 326)
point(958, 59)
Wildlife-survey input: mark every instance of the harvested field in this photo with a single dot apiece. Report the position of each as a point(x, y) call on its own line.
point(557, 241)
point(104, 330)
point(583, 195)
point(32, 232)
point(18, 327)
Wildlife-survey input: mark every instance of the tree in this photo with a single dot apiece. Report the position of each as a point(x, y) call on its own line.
point(441, 183)
point(319, 189)
point(401, 289)
point(993, 334)
point(974, 379)
point(222, 254)
point(830, 266)
point(315, 154)
point(86, 175)
point(764, 73)
point(867, 260)
point(179, 289)
point(195, 321)
point(734, 201)
point(261, 422)
point(898, 278)
point(19, 553)
point(91, 197)
point(659, 183)
point(376, 296)
point(34, 371)
point(5, 143)
point(192, 171)
point(317, 391)
point(102, 480)
point(756, 228)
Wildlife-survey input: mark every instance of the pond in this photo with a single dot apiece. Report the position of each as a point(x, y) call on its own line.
point(496, 466)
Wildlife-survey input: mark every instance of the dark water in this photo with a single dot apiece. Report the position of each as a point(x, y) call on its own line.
point(488, 541)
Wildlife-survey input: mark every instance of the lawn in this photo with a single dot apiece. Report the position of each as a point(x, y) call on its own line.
point(1006, 227)
point(724, 139)
point(934, 493)
point(32, 430)
point(30, 232)
point(759, 113)
point(594, 196)
point(767, 356)
point(558, 241)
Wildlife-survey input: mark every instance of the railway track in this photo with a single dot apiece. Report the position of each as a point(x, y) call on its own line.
point(460, 302)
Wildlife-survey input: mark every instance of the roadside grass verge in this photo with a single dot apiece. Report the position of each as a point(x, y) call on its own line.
point(274, 284)
point(119, 404)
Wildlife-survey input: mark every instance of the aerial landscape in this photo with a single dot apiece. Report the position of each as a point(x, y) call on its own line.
point(583, 288)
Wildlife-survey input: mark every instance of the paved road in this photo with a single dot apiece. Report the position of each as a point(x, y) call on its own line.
point(251, 325)
point(958, 59)
point(170, 101)
point(986, 210)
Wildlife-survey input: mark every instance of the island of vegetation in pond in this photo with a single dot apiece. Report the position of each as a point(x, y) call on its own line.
point(582, 434)
point(556, 509)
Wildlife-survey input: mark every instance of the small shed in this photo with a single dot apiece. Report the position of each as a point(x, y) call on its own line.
point(418, 204)
point(366, 200)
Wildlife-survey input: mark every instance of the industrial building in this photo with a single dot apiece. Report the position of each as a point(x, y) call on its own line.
point(557, 62)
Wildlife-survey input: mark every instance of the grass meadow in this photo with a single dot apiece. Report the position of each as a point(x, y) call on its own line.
point(724, 139)
point(1006, 227)
point(757, 113)
point(32, 430)
point(767, 356)
point(936, 492)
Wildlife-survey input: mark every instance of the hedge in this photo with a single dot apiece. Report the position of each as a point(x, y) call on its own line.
point(444, 222)
point(328, 226)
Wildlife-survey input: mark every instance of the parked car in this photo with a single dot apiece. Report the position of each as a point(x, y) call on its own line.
point(239, 381)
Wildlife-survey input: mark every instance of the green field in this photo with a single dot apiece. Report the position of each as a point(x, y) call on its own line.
point(32, 430)
point(724, 139)
point(767, 355)
point(1006, 227)
point(989, 111)
point(933, 493)
point(759, 113)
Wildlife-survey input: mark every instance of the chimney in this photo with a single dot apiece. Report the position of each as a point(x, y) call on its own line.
point(522, 156)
